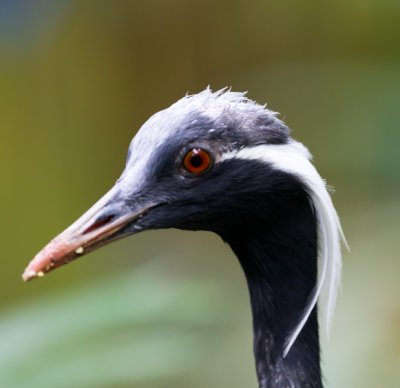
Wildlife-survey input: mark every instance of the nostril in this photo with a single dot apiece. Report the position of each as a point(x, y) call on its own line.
point(99, 223)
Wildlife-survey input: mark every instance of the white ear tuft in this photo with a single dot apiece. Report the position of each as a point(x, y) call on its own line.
point(294, 158)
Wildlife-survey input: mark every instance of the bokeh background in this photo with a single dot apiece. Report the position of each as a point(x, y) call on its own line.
point(170, 308)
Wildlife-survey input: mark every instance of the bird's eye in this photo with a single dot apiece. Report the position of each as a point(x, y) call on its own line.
point(197, 161)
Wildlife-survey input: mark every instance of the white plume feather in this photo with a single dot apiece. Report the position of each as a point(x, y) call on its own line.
point(295, 159)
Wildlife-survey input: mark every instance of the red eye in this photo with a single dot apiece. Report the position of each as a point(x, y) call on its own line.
point(197, 161)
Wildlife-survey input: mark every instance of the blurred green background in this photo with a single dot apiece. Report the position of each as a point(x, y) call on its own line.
point(170, 308)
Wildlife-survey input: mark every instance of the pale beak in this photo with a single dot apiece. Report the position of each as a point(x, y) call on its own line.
point(100, 225)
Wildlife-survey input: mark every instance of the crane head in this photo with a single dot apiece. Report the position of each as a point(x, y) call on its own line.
point(207, 163)
point(180, 173)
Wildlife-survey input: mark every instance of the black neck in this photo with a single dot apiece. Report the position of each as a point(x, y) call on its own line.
point(279, 256)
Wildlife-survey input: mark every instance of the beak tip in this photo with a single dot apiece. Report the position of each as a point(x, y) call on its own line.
point(29, 274)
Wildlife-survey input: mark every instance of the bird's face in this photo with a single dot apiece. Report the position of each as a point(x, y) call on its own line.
point(181, 172)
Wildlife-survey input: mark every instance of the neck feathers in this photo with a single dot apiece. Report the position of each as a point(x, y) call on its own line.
point(291, 257)
point(279, 258)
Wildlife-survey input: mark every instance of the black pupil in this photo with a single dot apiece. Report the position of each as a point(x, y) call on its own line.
point(196, 161)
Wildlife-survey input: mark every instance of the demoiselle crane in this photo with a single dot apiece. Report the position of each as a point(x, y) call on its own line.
point(218, 161)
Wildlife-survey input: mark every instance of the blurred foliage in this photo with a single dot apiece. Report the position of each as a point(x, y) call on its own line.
point(78, 79)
